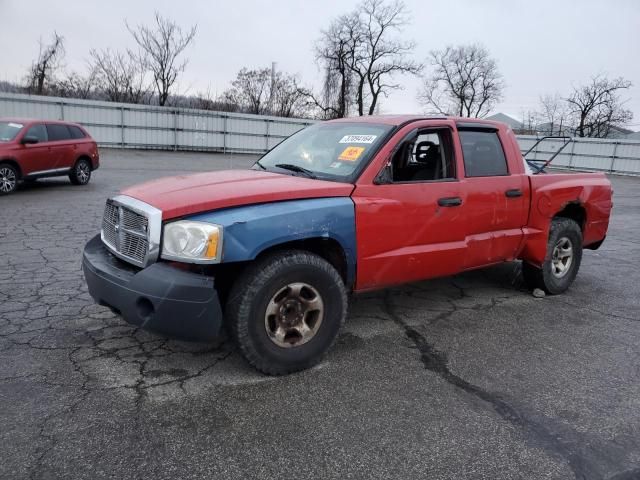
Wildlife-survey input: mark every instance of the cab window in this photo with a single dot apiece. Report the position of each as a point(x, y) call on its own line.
point(424, 157)
point(483, 154)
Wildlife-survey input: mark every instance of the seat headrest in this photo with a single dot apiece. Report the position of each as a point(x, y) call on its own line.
point(425, 151)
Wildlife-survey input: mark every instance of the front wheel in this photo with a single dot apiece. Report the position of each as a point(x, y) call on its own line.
point(81, 173)
point(286, 310)
point(8, 179)
point(562, 262)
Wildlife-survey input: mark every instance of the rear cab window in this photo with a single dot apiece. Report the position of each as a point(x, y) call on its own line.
point(483, 153)
point(57, 132)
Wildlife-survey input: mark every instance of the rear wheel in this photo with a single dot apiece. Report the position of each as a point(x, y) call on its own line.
point(8, 178)
point(285, 311)
point(81, 172)
point(562, 262)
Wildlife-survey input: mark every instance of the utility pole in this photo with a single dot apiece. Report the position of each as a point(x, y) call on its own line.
point(273, 85)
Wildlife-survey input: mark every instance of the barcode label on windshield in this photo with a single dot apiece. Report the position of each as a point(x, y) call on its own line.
point(358, 139)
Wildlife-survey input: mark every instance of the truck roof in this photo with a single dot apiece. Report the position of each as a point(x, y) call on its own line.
point(402, 119)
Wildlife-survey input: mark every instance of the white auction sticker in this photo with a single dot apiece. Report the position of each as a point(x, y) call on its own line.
point(16, 125)
point(358, 139)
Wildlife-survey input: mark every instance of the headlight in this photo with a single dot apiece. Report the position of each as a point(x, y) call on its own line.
point(192, 242)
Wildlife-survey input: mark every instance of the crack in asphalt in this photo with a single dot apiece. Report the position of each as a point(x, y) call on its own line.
point(586, 457)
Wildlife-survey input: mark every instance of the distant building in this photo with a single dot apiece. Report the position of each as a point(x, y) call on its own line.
point(633, 136)
point(515, 125)
point(557, 130)
point(619, 132)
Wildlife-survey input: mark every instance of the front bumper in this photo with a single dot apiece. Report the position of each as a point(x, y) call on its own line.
point(160, 297)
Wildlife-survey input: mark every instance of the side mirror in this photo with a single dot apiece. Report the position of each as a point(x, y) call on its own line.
point(29, 140)
point(385, 176)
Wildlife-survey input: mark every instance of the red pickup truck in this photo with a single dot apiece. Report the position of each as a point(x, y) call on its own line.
point(344, 206)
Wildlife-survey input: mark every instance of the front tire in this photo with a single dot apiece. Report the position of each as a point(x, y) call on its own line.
point(8, 178)
point(285, 311)
point(562, 262)
point(81, 172)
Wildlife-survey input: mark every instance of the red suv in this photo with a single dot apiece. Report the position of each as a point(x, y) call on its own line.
point(31, 149)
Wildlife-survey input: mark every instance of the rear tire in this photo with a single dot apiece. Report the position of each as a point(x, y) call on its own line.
point(562, 261)
point(285, 311)
point(81, 172)
point(9, 176)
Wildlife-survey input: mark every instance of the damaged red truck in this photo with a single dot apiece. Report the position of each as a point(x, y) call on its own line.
point(344, 206)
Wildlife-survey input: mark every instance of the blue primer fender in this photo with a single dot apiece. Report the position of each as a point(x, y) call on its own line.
point(250, 229)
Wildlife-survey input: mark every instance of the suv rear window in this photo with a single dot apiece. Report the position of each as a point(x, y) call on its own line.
point(483, 154)
point(58, 132)
point(75, 132)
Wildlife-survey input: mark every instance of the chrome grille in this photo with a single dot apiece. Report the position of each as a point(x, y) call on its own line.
point(134, 221)
point(126, 232)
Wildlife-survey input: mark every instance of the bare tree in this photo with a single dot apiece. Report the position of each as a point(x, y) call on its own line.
point(597, 106)
point(161, 46)
point(207, 101)
point(529, 125)
point(360, 54)
point(120, 77)
point(289, 98)
point(381, 55)
point(554, 112)
point(335, 53)
point(263, 92)
point(250, 90)
point(43, 70)
point(77, 85)
point(465, 81)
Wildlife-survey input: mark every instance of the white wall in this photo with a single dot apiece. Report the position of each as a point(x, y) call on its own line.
point(590, 154)
point(143, 126)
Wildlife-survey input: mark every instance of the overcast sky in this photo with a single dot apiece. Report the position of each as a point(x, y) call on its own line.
point(541, 46)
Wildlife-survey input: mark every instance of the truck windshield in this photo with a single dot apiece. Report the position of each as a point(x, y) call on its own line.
point(9, 130)
point(328, 151)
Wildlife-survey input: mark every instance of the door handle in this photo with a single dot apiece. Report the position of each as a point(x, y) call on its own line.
point(515, 193)
point(450, 201)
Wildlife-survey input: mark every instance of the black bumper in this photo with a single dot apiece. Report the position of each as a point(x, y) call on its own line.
point(160, 297)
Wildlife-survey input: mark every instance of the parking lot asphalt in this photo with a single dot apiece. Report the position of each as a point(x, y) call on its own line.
point(463, 377)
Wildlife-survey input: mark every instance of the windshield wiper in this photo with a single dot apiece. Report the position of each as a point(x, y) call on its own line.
point(260, 165)
point(296, 168)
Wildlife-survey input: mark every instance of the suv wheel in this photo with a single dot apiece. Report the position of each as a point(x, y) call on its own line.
point(285, 311)
point(81, 173)
point(8, 178)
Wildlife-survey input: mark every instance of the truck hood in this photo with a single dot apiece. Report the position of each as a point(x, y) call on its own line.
point(189, 194)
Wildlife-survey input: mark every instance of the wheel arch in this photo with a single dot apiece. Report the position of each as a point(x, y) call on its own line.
point(13, 163)
point(84, 156)
point(575, 211)
point(324, 226)
point(325, 247)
